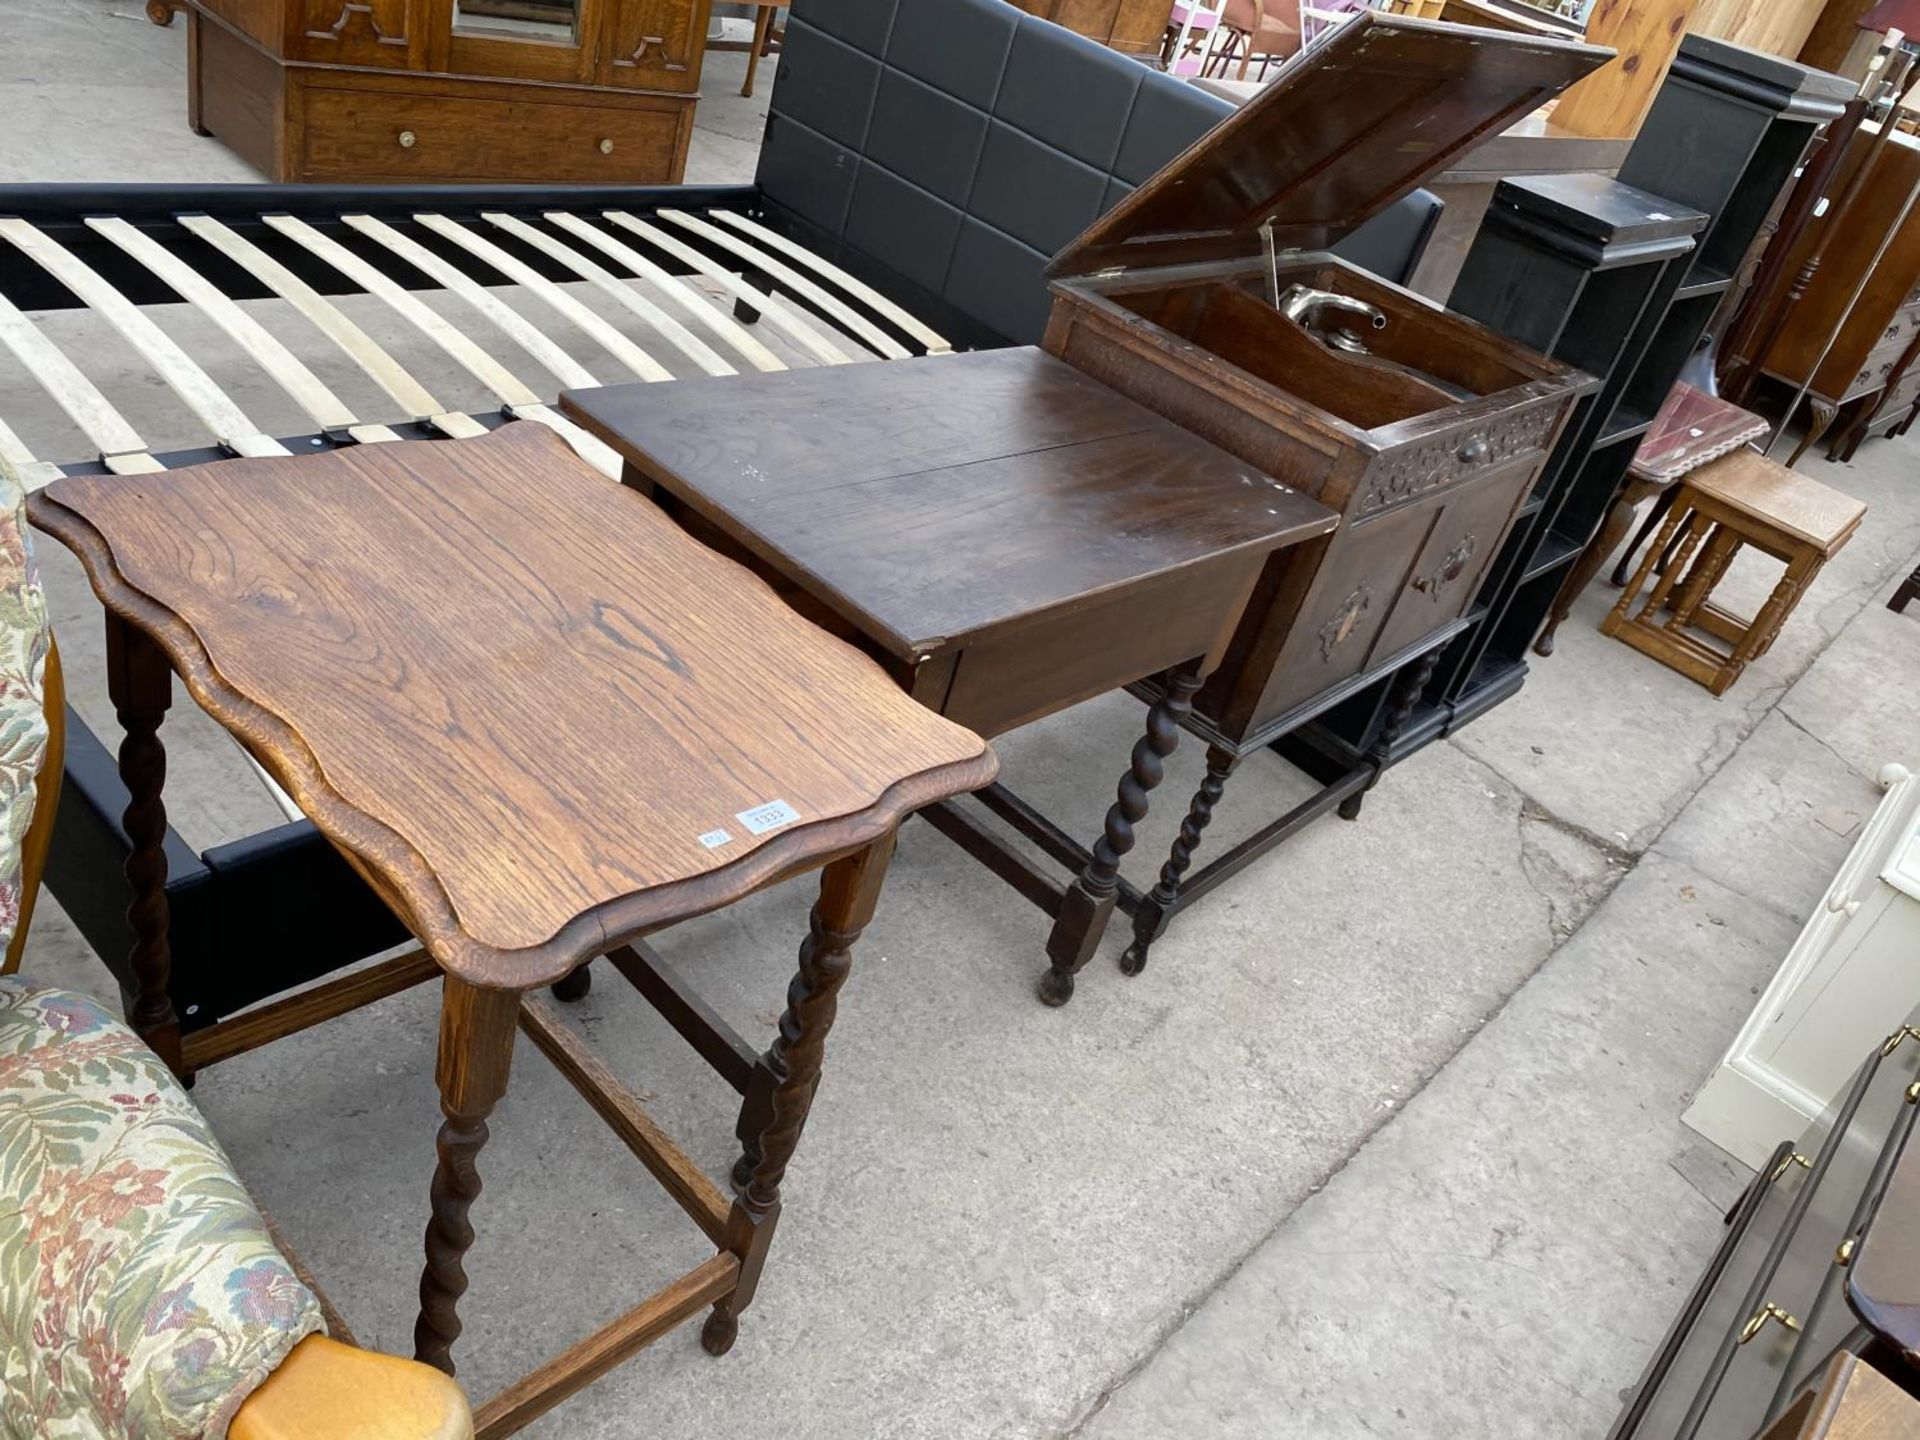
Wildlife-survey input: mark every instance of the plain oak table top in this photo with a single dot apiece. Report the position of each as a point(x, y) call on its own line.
point(936, 501)
point(536, 715)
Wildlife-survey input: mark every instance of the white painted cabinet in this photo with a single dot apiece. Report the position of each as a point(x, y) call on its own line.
point(1849, 980)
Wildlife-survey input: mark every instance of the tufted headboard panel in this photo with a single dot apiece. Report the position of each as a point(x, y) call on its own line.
point(960, 143)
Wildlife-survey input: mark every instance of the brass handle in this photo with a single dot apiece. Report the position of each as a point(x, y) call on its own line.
point(1892, 1043)
point(407, 137)
point(1766, 1312)
point(1475, 451)
point(606, 146)
point(1450, 566)
point(1787, 1161)
point(1913, 1093)
point(1845, 1253)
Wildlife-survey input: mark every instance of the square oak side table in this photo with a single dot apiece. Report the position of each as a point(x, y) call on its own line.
point(1006, 535)
point(541, 721)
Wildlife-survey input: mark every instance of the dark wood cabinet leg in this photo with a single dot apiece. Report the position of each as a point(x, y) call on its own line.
point(1823, 418)
point(140, 684)
point(476, 1049)
point(1909, 590)
point(849, 889)
point(1089, 901)
point(1408, 686)
point(1612, 532)
point(160, 12)
point(1156, 910)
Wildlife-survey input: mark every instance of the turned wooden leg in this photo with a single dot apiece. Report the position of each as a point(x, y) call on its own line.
point(476, 1048)
point(1823, 416)
point(849, 889)
point(1088, 903)
point(1619, 517)
point(1617, 617)
point(1656, 512)
point(1706, 573)
point(1408, 686)
point(140, 684)
point(1909, 590)
point(1150, 921)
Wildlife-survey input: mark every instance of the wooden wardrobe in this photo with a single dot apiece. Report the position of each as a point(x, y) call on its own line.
point(413, 91)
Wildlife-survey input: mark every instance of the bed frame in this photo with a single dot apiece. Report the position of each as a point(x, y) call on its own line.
point(922, 160)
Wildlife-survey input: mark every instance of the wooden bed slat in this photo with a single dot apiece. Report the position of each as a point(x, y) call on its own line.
point(510, 322)
point(723, 325)
point(935, 343)
point(590, 448)
point(530, 279)
point(306, 389)
point(193, 385)
point(803, 334)
point(617, 290)
point(96, 416)
point(436, 327)
point(380, 367)
point(854, 323)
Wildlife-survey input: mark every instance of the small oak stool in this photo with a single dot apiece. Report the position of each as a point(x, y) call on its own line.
point(541, 721)
point(1741, 499)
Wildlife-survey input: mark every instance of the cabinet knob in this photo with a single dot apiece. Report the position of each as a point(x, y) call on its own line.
point(407, 138)
point(606, 146)
point(1475, 451)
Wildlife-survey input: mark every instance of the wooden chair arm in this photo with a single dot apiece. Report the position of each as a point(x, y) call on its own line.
point(324, 1390)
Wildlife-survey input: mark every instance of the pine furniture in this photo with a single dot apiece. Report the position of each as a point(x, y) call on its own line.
point(1133, 27)
point(1740, 501)
point(540, 721)
point(409, 91)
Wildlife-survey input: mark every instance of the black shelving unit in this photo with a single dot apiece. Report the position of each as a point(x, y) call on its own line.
point(1619, 277)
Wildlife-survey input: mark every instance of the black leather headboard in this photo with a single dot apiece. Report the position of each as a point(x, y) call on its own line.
point(960, 143)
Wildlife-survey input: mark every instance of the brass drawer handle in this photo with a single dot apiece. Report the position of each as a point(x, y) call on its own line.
point(1844, 1254)
point(407, 138)
point(606, 147)
point(1787, 1162)
point(1766, 1312)
point(1892, 1043)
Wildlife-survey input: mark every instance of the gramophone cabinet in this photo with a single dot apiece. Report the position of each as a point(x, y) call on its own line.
point(1425, 434)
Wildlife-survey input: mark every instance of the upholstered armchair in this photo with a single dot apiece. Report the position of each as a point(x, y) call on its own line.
point(141, 1293)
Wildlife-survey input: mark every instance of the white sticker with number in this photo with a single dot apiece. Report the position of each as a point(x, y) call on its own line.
point(770, 816)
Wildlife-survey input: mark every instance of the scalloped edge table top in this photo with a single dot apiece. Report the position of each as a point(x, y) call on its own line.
point(536, 715)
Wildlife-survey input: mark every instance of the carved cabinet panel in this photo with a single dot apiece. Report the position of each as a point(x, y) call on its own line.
point(653, 44)
point(357, 32)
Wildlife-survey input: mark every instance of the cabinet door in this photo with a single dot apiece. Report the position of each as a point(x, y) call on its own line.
point(386, 33)
point(654, 44)
point(551, 40)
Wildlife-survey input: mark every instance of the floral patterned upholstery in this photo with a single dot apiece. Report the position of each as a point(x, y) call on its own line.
point(25, 635)
point(140, 1293)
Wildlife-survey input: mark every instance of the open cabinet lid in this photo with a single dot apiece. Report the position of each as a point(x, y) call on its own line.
point(1346, 128)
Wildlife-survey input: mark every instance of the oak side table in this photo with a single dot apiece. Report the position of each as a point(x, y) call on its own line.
point(1006, 535)
point(541, 721)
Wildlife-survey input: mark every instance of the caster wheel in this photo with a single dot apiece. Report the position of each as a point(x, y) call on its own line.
point(575, 986)
point(1133, 959)
point(1056, 988)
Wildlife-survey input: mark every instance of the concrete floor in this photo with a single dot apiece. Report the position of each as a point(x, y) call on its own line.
point(1385, 1142)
